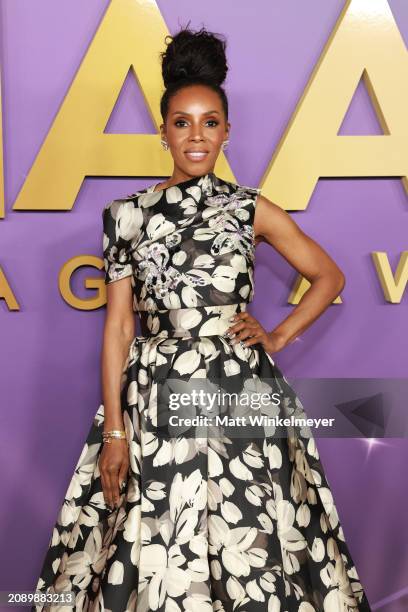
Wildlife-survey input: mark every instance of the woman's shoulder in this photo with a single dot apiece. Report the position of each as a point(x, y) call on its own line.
point(247, 194)
point(138, 199)
point(244, 189)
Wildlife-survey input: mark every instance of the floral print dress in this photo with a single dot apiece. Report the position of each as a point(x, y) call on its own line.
point(212, 517)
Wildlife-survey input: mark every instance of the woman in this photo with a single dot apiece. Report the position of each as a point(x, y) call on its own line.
point(165, 516)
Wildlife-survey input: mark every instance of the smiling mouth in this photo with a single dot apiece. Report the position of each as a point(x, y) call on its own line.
point(196, 155)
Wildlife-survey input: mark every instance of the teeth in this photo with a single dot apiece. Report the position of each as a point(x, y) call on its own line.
point(196, 155)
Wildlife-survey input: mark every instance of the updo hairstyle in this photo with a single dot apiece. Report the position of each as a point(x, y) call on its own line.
point(193, 58)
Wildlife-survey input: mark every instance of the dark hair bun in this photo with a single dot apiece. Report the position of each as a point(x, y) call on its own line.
point(193, 55)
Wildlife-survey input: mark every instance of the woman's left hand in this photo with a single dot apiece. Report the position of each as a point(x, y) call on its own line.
point(249, 331)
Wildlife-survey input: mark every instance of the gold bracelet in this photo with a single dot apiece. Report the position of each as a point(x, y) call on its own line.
point(113, 433)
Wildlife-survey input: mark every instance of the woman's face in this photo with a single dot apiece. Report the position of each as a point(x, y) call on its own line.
point(195, 129)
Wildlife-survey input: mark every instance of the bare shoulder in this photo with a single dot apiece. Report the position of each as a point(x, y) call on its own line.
point(264, 205)
point(274, 225)
point(272, 221)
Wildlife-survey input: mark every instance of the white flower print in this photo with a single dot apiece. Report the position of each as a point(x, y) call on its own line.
point(210, 522)
point(129, 220)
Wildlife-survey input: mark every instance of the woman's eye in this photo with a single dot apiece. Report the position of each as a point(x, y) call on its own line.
point(182, 121)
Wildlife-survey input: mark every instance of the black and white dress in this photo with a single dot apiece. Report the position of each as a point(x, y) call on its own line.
point(218, 515)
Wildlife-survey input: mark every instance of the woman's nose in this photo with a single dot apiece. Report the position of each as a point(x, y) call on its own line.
point(196, 134)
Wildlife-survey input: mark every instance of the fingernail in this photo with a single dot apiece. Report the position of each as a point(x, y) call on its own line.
point(232, 319)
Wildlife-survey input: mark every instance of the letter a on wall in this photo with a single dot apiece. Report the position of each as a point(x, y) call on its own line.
point(132, 33)
point(365, 42)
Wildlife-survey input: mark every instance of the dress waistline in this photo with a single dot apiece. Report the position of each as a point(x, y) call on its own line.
point(189, 322)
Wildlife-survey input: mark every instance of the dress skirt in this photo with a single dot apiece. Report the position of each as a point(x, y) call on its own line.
point(225, 518)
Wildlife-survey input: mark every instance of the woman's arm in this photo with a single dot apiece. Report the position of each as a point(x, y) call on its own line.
point(118, 333)
point(275, 226)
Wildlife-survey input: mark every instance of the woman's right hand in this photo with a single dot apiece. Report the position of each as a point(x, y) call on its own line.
point(113, 467)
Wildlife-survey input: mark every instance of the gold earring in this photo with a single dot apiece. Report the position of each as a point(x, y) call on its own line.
point(164, 144)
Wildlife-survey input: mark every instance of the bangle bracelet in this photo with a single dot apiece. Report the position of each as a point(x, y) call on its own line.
point(114, 433)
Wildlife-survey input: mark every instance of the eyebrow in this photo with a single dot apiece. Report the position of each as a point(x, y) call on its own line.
point(206, 113)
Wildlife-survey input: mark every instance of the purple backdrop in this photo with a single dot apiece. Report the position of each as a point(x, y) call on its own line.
point(50, 352)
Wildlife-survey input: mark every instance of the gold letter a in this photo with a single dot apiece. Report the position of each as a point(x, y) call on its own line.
point(132, 33)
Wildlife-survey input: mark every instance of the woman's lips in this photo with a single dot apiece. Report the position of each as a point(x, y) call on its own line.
point(196, 155)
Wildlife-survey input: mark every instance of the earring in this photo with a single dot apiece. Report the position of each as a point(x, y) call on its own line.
point(225, 145)
point(164, 144)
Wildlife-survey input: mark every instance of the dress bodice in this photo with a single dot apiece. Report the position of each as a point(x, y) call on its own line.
point(188, 245)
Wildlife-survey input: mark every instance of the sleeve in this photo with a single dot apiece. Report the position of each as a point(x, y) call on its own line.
point(257, 193)
point(117, 249)
point(253, 193)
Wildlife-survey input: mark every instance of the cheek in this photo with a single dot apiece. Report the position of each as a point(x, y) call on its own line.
point(175, 138)
point(217, 138)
